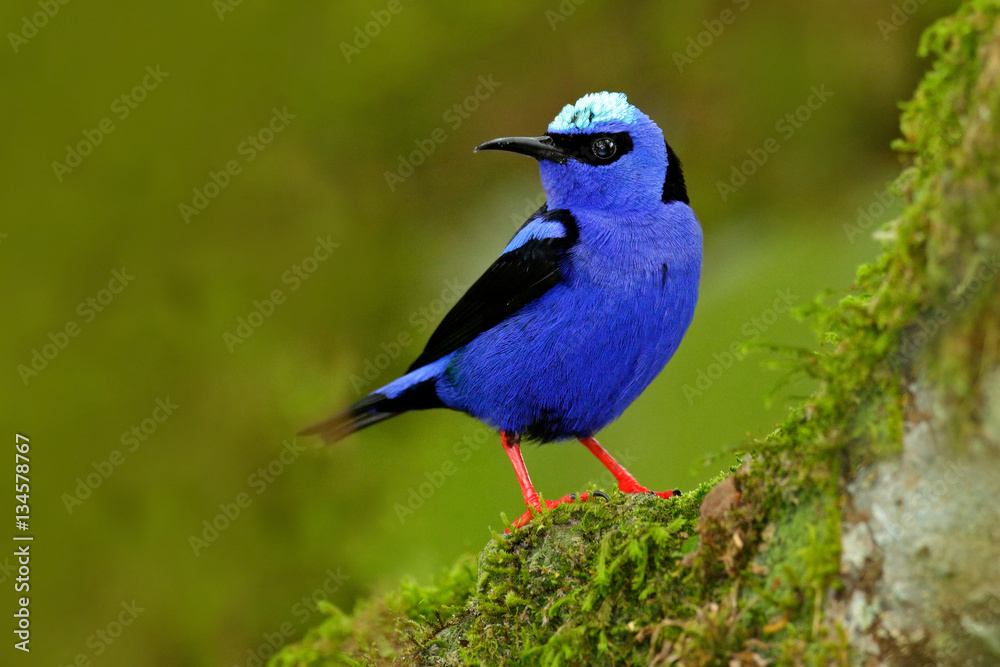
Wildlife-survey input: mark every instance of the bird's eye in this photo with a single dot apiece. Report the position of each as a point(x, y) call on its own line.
point(603, 148)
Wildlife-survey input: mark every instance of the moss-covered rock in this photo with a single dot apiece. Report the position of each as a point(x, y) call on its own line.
point(862, 531)
point(634, 580)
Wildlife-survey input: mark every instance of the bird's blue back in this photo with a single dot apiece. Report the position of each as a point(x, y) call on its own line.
point(594, 293)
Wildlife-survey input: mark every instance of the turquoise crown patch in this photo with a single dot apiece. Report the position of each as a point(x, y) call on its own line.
point(591, 109)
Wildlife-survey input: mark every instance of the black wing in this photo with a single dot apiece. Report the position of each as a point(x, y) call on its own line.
point(513, 281)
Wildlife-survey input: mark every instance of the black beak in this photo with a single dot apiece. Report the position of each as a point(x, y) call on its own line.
point(540, 148)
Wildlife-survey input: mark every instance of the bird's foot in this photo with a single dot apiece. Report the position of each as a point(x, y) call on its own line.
point(626, 482)
point(631, 486)
point(526, 518)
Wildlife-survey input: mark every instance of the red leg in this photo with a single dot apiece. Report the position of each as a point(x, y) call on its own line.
point(512, 446)
point(626, 482)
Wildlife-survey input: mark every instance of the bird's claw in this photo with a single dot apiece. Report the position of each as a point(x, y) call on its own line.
point(526, 518)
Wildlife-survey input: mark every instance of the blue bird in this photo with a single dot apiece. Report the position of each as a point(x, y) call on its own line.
point(583, 308)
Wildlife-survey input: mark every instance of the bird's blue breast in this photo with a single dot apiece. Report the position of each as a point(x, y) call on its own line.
point(571, 361)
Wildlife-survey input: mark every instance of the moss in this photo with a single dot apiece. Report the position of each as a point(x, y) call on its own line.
point(741, 571)
point(955, 187)
point(619, 582)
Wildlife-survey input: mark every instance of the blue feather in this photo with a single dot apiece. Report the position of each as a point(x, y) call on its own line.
point(536, 228)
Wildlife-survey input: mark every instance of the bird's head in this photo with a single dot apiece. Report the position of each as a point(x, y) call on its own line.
point(602, 153)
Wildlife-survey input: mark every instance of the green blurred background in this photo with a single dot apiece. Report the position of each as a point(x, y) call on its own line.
point(333, 517)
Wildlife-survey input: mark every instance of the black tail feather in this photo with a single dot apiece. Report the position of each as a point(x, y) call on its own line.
point(369, 410)
point(374, 408)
